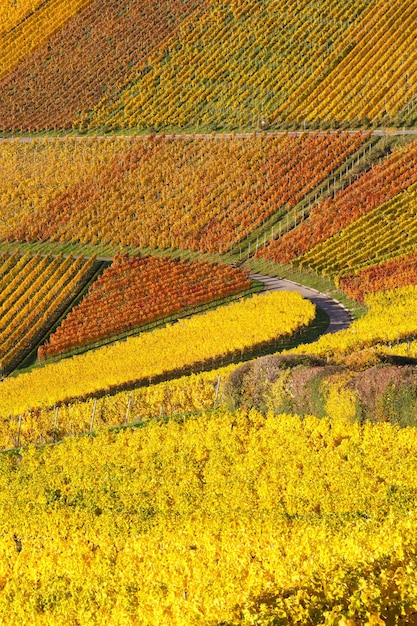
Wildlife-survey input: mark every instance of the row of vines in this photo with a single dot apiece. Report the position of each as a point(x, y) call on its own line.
point(138, 291)
point(194, 343)
point(167, 192)
point(89, 57)
point(34, 292)
point(207, 65)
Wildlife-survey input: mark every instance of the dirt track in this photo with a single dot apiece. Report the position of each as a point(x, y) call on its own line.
point(384, 132)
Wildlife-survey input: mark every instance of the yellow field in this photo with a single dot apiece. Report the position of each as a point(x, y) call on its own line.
point(224, 518)
point(195, 341)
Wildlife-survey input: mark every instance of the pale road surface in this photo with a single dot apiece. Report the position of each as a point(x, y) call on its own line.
point(380, 132)
point(340, 317)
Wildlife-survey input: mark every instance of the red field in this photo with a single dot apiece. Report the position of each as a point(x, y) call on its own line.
point(134, 292)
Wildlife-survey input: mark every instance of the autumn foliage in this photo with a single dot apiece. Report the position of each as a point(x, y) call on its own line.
point(388, 231)
point(392, 274)
point(33, 292)
point(194, 344)
point(226, 517)
point(89, 58)
point(134, 292)
point(330, 216)
point(162, 192)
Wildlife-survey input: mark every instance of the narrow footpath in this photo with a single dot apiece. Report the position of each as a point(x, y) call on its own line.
point(380, 132)
point(340, 318)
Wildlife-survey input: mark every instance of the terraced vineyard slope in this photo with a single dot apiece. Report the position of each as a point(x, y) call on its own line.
point(177, 448)
point(166, 192)
point(67, 70)
point(196, 343)
point(136, 292)
point(34, 292)
point(207, 65)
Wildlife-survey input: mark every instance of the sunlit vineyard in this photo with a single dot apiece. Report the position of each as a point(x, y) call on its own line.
point(321, 61)
point(379, 184)
point(195, 342)
point(176, 193)
point(135, 292)
point(12, 12)
point(237, 517)
point(206, 66)
point(236, 65)
point(392, 317)
point(399, 272)
point(388, 231)
point(33, 31)
point(186, 394)
point(92, 55)
point(33, 174)
point(375, 78)
point(35, 291)
point(208, 312)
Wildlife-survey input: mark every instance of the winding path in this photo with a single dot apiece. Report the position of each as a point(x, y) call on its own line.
point(340, 318)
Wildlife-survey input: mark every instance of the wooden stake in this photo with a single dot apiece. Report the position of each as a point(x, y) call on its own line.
point(19, 427)
point(128, 408)
point(217, 390)
point(93, 413)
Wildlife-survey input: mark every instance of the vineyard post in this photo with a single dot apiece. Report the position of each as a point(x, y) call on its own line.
point(93, 413)
point(19, 427)
point(56, 418)
point(216, 395)
point(128, 408)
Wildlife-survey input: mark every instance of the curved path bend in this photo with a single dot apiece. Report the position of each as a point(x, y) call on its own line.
point(340, 318)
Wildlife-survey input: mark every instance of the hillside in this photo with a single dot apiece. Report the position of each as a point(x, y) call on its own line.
point(187, 439)
point(205, 66)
